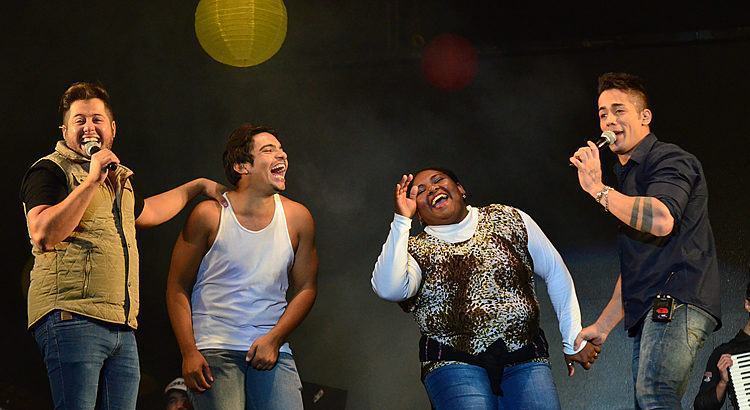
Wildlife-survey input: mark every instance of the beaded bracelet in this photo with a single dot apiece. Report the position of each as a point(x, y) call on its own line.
point(603, 198)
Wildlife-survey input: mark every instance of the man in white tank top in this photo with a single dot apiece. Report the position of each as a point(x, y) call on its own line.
point(228, 280)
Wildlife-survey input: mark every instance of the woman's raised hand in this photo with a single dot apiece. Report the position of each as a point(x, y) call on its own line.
point(405, 202)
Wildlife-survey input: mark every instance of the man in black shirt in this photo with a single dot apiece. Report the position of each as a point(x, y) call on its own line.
point(81, 214)
point(713, 390)
point(668, 289)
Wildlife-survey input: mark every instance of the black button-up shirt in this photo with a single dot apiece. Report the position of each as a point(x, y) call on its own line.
point(682, 264)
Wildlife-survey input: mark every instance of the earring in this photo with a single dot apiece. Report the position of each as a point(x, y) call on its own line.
point(463, 196)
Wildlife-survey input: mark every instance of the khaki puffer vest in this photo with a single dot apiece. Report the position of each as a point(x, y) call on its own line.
point(94, 271)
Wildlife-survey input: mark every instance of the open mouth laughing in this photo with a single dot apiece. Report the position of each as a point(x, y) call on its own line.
point(90, 138)
point(278, 171)
point(439, 200)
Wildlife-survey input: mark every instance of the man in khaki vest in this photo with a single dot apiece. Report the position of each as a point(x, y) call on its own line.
point(82, 213)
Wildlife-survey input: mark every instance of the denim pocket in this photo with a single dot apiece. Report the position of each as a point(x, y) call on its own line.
point(699, 326)
point(39, 330)
point(75, 322)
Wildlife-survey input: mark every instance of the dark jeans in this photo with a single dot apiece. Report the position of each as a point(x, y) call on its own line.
point(90, 364)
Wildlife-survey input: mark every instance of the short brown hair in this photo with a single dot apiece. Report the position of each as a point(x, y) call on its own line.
point(240, 147)
point(84, 91)
point(629, 83)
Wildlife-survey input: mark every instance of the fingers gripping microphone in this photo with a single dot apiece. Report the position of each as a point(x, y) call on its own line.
point(607, 138)
point(92, 147)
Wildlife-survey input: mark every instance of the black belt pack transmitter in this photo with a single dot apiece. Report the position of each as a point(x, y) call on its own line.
point(663, 308)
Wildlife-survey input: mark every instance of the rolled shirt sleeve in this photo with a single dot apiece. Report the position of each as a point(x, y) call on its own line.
point(672, 180)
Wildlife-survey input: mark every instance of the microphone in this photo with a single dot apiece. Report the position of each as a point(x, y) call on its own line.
point(607, 138)
point(92, 147)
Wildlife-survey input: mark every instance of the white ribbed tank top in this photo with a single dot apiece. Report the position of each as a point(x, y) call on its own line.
point(240, 288)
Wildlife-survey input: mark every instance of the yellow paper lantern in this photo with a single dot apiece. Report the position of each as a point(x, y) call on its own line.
point(240, 33)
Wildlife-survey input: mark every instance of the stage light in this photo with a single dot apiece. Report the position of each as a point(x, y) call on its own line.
point(449, 62)
point(241, 33)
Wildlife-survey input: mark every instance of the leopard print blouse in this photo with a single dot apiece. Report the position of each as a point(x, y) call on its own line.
point(480, 290)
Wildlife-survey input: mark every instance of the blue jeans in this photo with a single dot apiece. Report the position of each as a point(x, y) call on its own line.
point(90, 364)
point(237, 386)
point(663, 356)
point(464, 386)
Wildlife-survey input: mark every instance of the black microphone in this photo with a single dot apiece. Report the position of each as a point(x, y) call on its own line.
point(607, 138)
point(92, 147)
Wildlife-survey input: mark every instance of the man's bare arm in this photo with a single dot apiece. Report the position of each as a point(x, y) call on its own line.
point(189, 249)
point(645, 214)
point(160, 208)
point(609, 318)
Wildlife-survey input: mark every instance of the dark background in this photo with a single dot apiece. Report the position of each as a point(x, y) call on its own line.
point(355, 112)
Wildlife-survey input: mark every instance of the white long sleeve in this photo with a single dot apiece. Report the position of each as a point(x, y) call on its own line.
point(549, 265)
point(397, 275)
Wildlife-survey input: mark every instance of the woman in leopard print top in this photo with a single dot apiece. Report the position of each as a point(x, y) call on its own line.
point(468, 278)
